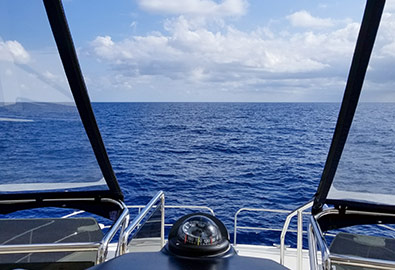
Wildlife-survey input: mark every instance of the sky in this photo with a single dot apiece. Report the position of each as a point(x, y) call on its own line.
point(195, 50)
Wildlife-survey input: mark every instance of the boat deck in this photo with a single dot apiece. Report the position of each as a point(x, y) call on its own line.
point(273, 253)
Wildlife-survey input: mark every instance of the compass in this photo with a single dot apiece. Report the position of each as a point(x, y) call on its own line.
point(199, 230)
point(198, 235)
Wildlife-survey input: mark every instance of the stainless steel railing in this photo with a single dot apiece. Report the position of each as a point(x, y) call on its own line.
point(42, 248)
point(120, 224)
point(297, 212)
point(100, 247)
point(192, 207)
point(316, 238)
point(318, 246)
point(143, 210)
point(247, 209)
point(157, 201)
point(159, 197)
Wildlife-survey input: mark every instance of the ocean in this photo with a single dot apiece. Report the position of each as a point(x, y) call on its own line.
point(222, 155)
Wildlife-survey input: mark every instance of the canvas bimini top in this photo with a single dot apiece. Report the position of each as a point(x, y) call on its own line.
point(359, 165)
point(50, 143)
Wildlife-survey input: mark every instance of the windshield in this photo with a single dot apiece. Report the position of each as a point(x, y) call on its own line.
point(367, 161)
point(43, 145)
point(366, 169)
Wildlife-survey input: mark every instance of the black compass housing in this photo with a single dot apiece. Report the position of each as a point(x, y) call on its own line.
point(198, 235)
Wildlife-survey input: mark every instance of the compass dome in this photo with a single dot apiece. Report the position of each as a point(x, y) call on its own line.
point(198, 235)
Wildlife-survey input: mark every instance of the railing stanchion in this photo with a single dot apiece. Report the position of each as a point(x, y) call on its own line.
point(162, 222)
point(300, 240)
point(285, 229)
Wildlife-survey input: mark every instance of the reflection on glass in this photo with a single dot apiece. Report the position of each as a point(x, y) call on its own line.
point(43, 145)
point(367, 161)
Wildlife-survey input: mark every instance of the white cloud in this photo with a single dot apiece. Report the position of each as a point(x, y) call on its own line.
point(133, 25)
point(389, 6)
point(196, 7)
point(104, 46)
point(305, 19)
point(194, 49)
point(35, 75)
point(389, 49)
point(195, 56)
point(50, 76)
point(13, 51)
point(385, 38)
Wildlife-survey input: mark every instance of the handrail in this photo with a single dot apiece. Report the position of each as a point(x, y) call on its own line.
point(317, 240)
point(265, 229)
point(162, 221)
point(143, 211)
point(299, 213)
point(120, 223)
point(140, 207)
point(100, 247)
point(312, 248)
point(50, 247)
point(253, 209)
point(316, 237)
point(176, 207)
point(362, 262)
point(191, 207)
point(136, 221)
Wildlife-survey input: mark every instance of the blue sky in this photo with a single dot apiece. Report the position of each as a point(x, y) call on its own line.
point(195, 50)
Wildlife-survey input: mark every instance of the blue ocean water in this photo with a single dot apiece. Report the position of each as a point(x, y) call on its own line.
point(222, 155)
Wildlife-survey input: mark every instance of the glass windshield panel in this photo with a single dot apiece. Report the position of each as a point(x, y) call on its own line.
point(43, 145)
point(366, 170)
